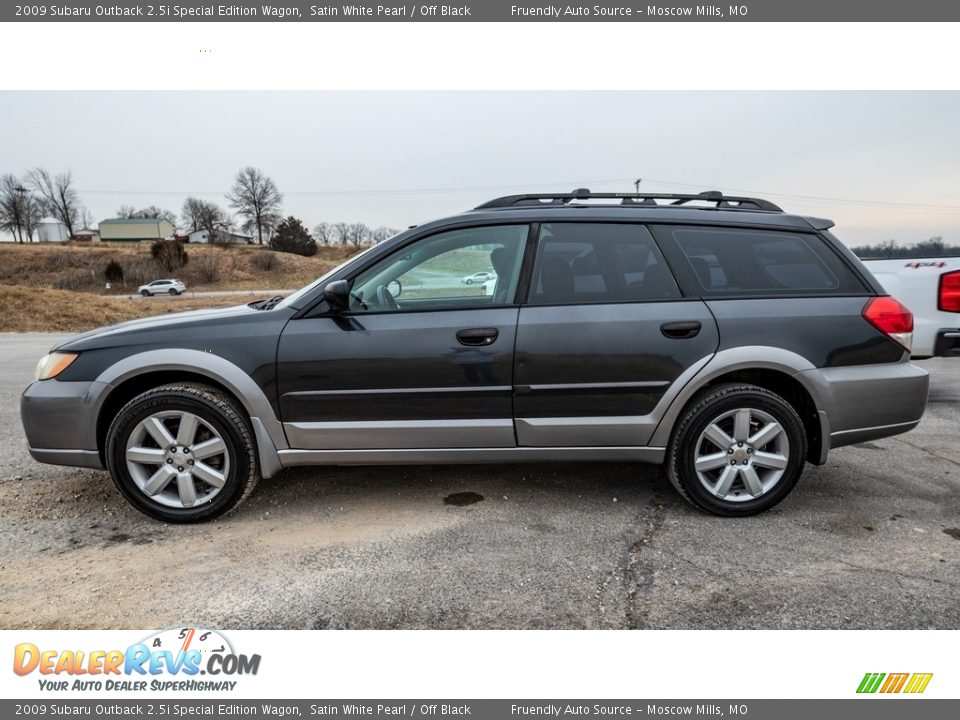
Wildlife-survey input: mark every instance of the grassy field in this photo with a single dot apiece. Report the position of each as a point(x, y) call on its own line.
point(61, 287)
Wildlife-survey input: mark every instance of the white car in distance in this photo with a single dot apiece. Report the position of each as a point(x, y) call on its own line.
point(162, 287)
point(478, 278)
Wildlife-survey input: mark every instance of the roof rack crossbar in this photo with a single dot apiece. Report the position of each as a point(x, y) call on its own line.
point(719, 200)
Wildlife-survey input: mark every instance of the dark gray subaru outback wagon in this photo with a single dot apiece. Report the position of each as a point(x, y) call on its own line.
point(718, 335)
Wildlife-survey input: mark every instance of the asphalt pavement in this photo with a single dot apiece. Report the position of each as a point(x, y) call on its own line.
point(870, 540)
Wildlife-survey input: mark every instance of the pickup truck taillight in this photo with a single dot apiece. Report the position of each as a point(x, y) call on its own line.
point(892, 318)
point(948, 296)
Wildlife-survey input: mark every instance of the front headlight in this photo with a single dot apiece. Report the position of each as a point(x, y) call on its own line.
point(53, 364)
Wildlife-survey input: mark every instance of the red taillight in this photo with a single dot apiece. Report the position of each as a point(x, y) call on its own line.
point(948, 296)
point(892, 318)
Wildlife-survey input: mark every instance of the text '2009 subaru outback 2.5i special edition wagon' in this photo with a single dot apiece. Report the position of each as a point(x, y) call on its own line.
point(718, 335)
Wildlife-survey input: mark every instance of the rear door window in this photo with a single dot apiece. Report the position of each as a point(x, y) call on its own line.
point(745, 262)
point(581, 263)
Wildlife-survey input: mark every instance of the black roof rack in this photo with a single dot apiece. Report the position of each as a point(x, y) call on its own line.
point(719, 200)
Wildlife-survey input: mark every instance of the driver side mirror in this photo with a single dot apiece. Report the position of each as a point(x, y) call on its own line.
point(337, 295)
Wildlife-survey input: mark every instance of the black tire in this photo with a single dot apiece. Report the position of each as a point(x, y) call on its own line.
point(145, 293)
point(701, 412)
point(173, 291)
point(215, 408)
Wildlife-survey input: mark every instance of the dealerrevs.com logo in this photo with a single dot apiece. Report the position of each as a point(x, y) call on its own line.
point(910, 683)
point(172, 659)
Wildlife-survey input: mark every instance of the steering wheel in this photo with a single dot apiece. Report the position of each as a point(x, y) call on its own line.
point(385, 299)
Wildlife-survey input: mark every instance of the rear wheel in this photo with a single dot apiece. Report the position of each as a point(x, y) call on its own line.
point(182, 453)
point(737, 450)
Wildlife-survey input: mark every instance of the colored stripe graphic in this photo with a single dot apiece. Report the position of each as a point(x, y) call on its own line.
point(894, 683)
point(870, 682)
point(918, 682)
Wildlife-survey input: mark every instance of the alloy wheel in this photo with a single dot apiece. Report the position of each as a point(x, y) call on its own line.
point(177, 459)
point(741, 455)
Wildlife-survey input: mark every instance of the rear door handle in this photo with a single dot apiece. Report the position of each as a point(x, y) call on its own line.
point(477, 336)
point(680, 330)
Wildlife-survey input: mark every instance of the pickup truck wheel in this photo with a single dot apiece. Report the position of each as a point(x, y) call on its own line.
point(737, 450)
point(182, 453)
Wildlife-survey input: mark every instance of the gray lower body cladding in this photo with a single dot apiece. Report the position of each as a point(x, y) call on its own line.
point(867, 402)
point(856, 403)
point(60, 421)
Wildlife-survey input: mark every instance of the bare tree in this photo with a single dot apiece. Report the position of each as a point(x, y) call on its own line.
point(200, 214)
point(888, 248)
point(58, 196)
point(341, 233)
point(255, 198)
point(33, 214)
point(934, 247)
point(12, 210)
point(382, 233)
point(86, 219)
point(358, 234)
point(20, 210)
point(323, 233)
point(151, 211)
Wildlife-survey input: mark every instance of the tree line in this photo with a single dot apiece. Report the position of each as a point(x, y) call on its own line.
point(889, 249)
point(254, 200)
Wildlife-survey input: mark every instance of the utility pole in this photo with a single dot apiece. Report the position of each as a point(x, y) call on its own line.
point(636, 185)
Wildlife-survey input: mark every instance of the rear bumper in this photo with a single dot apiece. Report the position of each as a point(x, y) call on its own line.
point(866, 402)
point(947, 343)
point(60, 422)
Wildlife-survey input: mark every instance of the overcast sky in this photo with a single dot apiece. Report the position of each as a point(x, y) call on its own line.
point(882, 164)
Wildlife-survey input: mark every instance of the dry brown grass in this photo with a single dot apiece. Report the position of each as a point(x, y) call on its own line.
point(80, 267)
point(45, 310)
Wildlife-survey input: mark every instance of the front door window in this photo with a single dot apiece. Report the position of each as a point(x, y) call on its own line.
point(459, 269)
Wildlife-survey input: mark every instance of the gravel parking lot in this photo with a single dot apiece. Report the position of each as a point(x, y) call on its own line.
point(870, 540)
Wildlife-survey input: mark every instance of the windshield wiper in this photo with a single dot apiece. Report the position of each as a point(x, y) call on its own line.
point(266, 304)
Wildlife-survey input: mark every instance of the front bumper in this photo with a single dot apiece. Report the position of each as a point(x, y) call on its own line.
point(866, 402)
point(60, 421)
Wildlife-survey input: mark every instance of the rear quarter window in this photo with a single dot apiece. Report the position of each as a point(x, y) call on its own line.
point(731, 262)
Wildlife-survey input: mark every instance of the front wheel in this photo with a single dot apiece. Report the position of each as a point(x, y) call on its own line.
point(173, 291)
point(145, 293)
point(737, 450)
point(182, 453)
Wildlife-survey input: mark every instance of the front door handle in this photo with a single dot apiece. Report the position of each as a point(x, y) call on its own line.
point(680, 330)
point(477, 336)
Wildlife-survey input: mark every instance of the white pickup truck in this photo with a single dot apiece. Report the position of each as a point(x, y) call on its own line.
point(930, 287)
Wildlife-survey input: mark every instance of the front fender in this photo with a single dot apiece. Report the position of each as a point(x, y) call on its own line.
point(267, 428)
